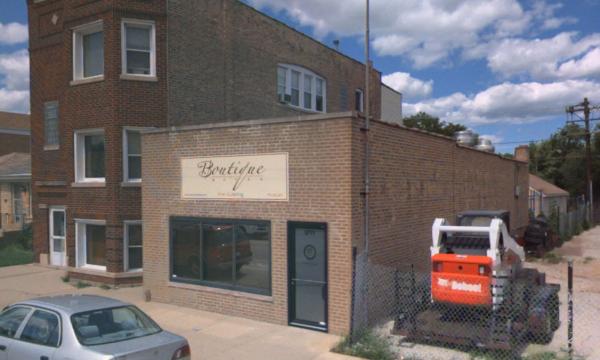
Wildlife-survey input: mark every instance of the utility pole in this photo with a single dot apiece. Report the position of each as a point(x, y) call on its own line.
point(367, 120)
point(586, 109)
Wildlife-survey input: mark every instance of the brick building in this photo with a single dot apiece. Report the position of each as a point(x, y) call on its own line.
point(14, 133)
point(102, 71)
point(276, 244)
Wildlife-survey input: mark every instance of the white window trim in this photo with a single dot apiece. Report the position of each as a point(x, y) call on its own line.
point(126, 223)
point(79, 156)
point(303, 72)
point(77, 50)
point(80, 244)
point(125, 152)
point(152, 25)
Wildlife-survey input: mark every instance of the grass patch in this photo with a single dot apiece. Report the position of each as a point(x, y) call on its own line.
point(366, 345)
point(15, 254)
point(553, 258)
point(104, 287)
point(82, 284)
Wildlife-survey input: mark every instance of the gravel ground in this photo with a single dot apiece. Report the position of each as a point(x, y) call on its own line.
point(584, 250)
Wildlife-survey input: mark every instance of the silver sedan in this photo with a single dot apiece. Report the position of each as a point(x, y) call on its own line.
point(78, 327)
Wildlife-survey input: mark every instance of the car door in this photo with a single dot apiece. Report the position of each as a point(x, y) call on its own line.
point(38, 338)
point(11, 321)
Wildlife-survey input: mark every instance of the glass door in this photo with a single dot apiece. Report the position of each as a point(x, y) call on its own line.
point(58, 238)
point(307, 275)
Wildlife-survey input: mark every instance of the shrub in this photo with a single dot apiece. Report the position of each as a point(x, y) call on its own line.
point(25, 238)
point(366, 345)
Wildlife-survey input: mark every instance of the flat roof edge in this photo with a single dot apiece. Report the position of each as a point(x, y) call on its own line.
point(254, 122)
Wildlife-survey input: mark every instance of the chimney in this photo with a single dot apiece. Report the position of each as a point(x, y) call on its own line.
point(522, 153)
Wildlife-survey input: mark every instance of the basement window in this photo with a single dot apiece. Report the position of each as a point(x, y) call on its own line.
point(138, 48)
point(301, 88)
point(89, 156)
point(88, 51)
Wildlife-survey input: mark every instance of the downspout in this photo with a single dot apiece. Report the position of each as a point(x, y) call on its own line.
point(366, 131)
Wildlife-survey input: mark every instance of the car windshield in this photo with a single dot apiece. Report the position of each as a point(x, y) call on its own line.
point(111, 325)
point(476, 221)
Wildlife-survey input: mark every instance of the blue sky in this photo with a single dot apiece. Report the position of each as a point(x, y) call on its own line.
point(506, 68)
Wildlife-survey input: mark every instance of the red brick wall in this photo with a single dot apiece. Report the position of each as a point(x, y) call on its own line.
point(110, 104)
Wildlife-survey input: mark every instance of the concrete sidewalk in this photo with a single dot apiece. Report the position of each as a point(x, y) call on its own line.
point(211, 336)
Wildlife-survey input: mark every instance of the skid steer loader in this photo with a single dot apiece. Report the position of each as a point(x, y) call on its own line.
point(479, 293)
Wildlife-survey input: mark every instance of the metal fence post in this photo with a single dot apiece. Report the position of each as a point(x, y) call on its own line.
point(570, 301)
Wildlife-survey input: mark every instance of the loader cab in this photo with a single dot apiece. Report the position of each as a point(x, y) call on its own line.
point(473, 244)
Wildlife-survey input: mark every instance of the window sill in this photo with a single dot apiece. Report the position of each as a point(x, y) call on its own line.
point(300, 109)
point(133, 77)
point(93, 268)
point(51, 147)
point(98, 184)
point(89, 80)
point(131, 184)
point(213, 290)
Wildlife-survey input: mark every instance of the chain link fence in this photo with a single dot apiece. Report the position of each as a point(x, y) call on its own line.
point(532, 316)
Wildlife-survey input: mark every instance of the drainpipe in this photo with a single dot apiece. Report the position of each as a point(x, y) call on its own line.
point(366, 130)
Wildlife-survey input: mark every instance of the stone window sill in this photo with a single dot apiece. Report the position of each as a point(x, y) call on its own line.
point(51, 147)
point(87, 81)
point(131, 184)
point(133, 77)
point(89, 184)
point(225, 292)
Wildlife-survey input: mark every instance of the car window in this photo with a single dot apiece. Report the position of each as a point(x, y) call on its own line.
point(110, 325)
point(11, 319)
point(42, 328)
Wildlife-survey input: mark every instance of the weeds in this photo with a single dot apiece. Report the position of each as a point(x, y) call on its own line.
point(553, 258)
point(104, 287)
point(65, 278)
point(366, 345)
point(588, 259)
point(82, 284)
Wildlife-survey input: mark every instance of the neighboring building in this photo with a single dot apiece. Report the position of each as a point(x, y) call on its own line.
point(14, 133)
point(391, 105)
point(15, 193)
point(259, 218)
point(545, 197)
point(100, 75)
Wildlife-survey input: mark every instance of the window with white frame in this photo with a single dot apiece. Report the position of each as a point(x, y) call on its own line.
point(51, 124)
point(88, 51)
point(359, 100)
point(300, 87)
point(138, 47)
point(89, 156)
point(91, 244)
point(132, 155)
point(133, 246)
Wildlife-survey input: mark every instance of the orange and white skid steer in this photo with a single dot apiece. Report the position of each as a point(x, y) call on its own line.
point(480, 293)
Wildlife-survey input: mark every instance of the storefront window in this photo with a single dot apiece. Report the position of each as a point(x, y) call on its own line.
point(227, 254)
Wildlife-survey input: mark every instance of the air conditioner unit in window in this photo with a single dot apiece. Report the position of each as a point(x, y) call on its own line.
point(285, 98)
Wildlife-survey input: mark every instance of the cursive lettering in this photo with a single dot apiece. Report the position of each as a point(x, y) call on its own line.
point(236, 170)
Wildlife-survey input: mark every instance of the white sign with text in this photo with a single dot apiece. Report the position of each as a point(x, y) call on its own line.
point(237, 177)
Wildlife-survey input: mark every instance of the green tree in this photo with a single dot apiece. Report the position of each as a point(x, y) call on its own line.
point(561, 159)
point(426, 122)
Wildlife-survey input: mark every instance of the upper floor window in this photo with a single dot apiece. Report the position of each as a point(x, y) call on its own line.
point(132, 155)
point(138, 47)
point(89, 156)
point(88, 51)
point(359, 100)
point(300, 87)
point(51, 125)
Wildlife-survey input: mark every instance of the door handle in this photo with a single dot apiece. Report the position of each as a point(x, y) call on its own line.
point(2, 347)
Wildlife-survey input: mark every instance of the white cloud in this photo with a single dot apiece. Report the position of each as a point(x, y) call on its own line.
point(587, 66)
point(495, 139)
point(13, 33)
point(14, 70)
point(410, 87)
point(14, 81)
point(509, 102)
point(537, 58)
point(14, 100)
point(424, 31)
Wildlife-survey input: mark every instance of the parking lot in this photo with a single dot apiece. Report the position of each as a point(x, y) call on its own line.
point(211, 336)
